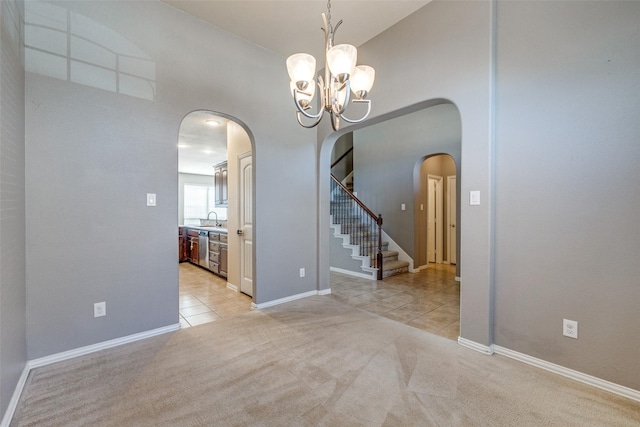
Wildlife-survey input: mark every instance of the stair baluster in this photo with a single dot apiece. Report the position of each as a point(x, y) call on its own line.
point(359, 221)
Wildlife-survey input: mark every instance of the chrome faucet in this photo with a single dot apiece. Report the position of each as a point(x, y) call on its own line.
point(209, 215)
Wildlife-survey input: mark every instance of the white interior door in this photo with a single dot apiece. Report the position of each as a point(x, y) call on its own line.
point(452, 209)
point(245, 222)
point(434, 219)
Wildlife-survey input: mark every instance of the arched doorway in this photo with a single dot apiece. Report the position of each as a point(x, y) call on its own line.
point(215, 217)
point(387, 157)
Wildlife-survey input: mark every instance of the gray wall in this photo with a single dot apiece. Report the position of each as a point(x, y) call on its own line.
point(386, 157)
point(568, 237)
point(90, 236)
point(13, 355)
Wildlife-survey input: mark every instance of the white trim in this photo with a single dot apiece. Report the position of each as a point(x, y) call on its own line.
point(605, 385)
point(457, 278)
point(324, 291)
point(283, 300)
point(476, 346)
point(353, 273)
point(13, 403)
point(232, 287)
point(65, 355)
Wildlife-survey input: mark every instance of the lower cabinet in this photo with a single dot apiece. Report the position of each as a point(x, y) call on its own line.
point(193, 245)
point(183, 253)
point(218, 253)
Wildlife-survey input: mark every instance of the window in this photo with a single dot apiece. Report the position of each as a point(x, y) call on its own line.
point(199, 200)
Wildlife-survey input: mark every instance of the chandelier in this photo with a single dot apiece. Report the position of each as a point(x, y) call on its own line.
point(341, 77)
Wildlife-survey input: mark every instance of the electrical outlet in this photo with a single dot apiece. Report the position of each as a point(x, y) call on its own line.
point(100, 309)
point(570, 328)
point(302, 272)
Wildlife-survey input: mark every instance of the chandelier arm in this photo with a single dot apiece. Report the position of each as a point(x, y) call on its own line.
point(301, 110)
point(335, 121)
point(346, 86)
point(358, 101)
point(312, 125)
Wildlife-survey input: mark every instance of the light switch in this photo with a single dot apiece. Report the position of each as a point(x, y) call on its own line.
point(474, 198)
point(403, 207)
point(151, 199)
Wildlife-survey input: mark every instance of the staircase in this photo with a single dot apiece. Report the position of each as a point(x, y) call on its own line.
point(360, 231)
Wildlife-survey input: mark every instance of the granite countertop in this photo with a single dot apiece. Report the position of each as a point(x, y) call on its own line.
point(200, 227)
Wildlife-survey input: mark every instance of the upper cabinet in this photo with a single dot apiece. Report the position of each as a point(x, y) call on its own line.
point(221, 184)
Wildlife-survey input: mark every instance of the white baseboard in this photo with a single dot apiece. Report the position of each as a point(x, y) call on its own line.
point(457, 278)
point(620, 390)
point(352, 273)
point(289, 299)
point(232, 287)
point(475, 346)
point(65, 355)
point(13, 403)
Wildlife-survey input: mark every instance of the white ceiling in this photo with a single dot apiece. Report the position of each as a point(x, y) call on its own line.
point(291, 26)
point(200, 145)
point(284, 27)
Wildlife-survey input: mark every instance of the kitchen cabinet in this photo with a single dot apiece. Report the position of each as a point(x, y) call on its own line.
point(218, 253)
point(223, 254)
point(183, 252)
point(193, 245)
point(221, 184)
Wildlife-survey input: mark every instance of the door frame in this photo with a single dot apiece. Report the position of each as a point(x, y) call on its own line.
point(243, 263)
point(452, 222)
point(438, 217)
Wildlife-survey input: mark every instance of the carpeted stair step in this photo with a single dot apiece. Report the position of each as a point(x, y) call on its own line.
point(392, 268)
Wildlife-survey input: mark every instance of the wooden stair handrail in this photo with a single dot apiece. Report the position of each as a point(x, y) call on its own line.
point(359, 202)
point(341, 157)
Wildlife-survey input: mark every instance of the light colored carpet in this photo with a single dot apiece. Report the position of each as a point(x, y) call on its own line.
point(312, 362)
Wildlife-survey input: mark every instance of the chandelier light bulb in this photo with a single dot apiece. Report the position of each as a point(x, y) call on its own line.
point(342, 60)
point(301, 68)
point(362, 80)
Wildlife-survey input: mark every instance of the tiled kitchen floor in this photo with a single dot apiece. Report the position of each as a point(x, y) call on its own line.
point(428, 300)
point(204, 297)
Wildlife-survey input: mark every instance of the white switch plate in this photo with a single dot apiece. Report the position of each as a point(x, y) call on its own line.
point(151, 199)
point(421, 206)
point(302, 272)
point(403, 207)
point(474, 198)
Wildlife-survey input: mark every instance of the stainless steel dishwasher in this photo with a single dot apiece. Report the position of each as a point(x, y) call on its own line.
point(203, 248)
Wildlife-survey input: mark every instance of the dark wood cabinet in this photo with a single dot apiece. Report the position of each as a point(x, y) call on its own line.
point(193, 245)
point(183, 253)
point(221, 184)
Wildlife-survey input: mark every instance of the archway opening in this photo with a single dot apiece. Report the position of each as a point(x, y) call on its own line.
point(215, 217)
point(387, 157)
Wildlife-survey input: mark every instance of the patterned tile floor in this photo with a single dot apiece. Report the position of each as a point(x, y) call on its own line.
point(428, 300)
point(204, 297)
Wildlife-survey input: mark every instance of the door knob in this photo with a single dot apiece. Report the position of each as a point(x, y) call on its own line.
point(240, 232)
